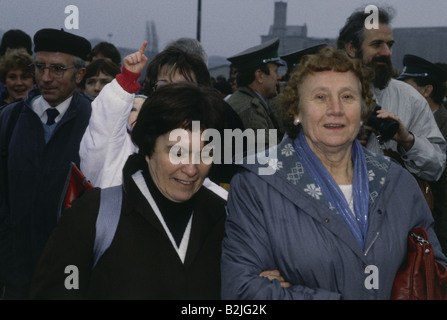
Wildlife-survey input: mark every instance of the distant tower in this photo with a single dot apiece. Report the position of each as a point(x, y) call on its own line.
point(279, 19)
point(152, 38)
point(291, 37)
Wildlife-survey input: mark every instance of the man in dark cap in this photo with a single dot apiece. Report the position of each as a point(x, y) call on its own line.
point(257, 79)
point(40, 138)
point(418, 142)
point(428, 78)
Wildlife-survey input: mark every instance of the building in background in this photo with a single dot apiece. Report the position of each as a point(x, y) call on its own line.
point(429, 43)
point(291, 38)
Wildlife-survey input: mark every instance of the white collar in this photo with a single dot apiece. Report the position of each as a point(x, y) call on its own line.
point(181, 250)
point(40, 106)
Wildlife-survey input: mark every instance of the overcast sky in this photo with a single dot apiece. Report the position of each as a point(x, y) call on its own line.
point(228, 26)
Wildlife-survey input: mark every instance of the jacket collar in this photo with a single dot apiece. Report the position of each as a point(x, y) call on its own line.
point(290, 178)
point(205, 213)
point(75, 104)
point(283, 162)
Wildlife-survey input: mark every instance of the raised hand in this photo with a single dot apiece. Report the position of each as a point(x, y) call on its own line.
point(135, 62)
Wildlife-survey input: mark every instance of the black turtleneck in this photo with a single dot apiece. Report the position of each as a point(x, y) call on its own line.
point(175, 214)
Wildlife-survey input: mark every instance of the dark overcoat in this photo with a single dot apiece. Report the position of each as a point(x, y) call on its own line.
point(141, 262)
point(32, 178)
point(254, 112)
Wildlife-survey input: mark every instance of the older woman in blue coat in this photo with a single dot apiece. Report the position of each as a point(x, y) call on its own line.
point(333, 218)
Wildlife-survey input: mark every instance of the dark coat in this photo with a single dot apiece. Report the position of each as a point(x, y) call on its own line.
point(32, 177)
point(222, 173)
point(254, 112)
point(141, 262)
point(251, 109)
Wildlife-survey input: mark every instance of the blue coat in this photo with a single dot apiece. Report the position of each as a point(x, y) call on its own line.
point(282, 221)
point(35, 180)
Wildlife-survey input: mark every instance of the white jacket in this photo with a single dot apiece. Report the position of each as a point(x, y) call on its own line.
point(106, 144)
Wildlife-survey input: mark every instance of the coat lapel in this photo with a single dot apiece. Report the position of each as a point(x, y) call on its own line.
point(140, 204)
point(206, 216)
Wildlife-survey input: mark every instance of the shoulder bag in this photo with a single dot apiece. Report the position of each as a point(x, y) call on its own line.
point(420, 277)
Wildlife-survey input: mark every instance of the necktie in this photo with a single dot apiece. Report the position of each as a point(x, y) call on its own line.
point(52, 113)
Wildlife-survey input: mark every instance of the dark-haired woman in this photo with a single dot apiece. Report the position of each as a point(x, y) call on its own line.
point(167, 242)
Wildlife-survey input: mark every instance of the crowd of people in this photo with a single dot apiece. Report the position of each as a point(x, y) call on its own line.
point(360, 161)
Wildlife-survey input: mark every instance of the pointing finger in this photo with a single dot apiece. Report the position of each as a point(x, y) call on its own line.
point(143, 47)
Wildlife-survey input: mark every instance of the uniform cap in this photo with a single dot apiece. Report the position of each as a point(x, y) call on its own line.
point(417, 67)
point(266, 52)
point(293, 59)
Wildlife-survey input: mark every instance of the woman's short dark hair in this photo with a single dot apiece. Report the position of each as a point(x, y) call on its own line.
point(100, 65)
point(175, 59)
point(106, 49)
point(176, 106)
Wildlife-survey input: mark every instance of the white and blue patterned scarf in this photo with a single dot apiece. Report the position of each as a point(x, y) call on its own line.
point(357, 221)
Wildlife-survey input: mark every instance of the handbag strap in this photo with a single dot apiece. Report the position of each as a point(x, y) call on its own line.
point(421, 240)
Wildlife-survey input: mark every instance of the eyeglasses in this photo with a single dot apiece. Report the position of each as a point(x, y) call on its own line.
point(54, 70)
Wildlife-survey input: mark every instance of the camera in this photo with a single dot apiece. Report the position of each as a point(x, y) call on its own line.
point(387, 127)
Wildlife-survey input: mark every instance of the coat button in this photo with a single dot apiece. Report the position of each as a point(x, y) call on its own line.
point(326, 220)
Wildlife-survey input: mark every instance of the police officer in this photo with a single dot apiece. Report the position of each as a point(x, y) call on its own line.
point(428, 78)
point(257, 79)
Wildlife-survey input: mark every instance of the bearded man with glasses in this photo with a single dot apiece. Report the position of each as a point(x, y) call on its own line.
point(39, 139)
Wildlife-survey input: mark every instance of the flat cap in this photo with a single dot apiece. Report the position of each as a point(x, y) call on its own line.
point(293, 59)
point(55, 40)
point(417, 67)
point(258, 55)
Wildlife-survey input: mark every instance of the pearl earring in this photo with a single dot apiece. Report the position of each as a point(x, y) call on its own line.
point(296, 121)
